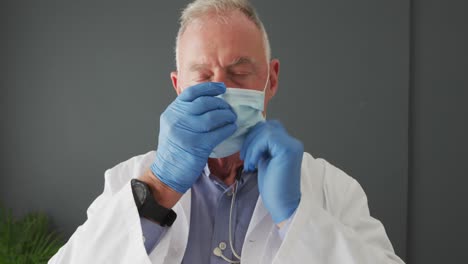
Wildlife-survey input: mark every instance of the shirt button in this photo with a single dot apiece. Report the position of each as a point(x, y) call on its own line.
point(222, 246)
point(229, 193)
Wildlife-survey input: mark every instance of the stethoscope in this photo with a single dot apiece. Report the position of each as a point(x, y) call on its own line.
point(218, 251)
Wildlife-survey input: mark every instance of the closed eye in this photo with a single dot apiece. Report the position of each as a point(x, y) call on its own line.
point(202, 77)
point(240, 74)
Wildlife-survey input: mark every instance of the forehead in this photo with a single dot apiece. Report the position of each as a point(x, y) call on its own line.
point(218, 40)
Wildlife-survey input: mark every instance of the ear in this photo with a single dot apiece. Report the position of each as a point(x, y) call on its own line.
point(174, 82)
point(274, 78)
point(273, 88)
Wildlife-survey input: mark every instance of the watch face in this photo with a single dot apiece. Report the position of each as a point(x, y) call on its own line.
point(140, 191)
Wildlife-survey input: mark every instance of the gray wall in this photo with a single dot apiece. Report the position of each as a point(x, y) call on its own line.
point(83, 85)
point(438, 210)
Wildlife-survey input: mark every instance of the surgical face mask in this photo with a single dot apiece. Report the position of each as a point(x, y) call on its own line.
point(248, 105)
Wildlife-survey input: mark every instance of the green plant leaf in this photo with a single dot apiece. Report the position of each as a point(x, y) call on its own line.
point(27, 240)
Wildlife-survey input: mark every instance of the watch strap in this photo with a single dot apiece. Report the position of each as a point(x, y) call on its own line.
point(150, 209)
point(154, 211)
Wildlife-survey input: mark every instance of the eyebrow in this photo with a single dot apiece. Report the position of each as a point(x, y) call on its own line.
point(240, 61)
point(235, 62)
point(198, 67)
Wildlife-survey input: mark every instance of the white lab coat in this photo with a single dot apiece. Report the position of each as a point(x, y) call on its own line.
point(331, 225)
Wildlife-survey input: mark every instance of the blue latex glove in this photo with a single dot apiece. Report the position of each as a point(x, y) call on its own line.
point(278, 157)
point(191, 126)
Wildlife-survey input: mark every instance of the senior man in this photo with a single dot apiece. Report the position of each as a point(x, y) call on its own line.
point(225, 185)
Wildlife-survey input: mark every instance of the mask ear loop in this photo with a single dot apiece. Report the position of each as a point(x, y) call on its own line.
point(264, 89)
point(268, 79)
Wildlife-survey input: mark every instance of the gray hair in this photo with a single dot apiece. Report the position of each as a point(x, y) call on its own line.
point(198, 8)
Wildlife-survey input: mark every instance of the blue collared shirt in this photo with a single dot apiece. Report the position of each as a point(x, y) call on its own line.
point(209, 218)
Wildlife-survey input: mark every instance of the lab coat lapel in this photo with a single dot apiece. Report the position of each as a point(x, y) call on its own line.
point(256, 235)
point(259, 213)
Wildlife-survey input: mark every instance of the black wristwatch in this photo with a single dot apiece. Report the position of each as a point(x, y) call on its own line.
point(148, 207)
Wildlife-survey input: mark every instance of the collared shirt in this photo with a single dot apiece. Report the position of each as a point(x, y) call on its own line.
point(209, 218)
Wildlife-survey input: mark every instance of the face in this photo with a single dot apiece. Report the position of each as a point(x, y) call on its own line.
point(230, 51)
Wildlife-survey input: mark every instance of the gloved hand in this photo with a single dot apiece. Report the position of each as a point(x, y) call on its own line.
point(278, 157)
point(191, 126)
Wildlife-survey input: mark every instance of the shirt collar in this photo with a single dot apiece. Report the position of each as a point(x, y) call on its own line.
point(243, 180)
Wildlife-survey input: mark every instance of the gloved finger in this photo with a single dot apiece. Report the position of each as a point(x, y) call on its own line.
point(202, 89)
point(284, 143)
point(221, 133)
point(254, 131)
point(204, 104)
point(257, 150)
point(277, 124)
point(211, 120)
point(281, 137)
